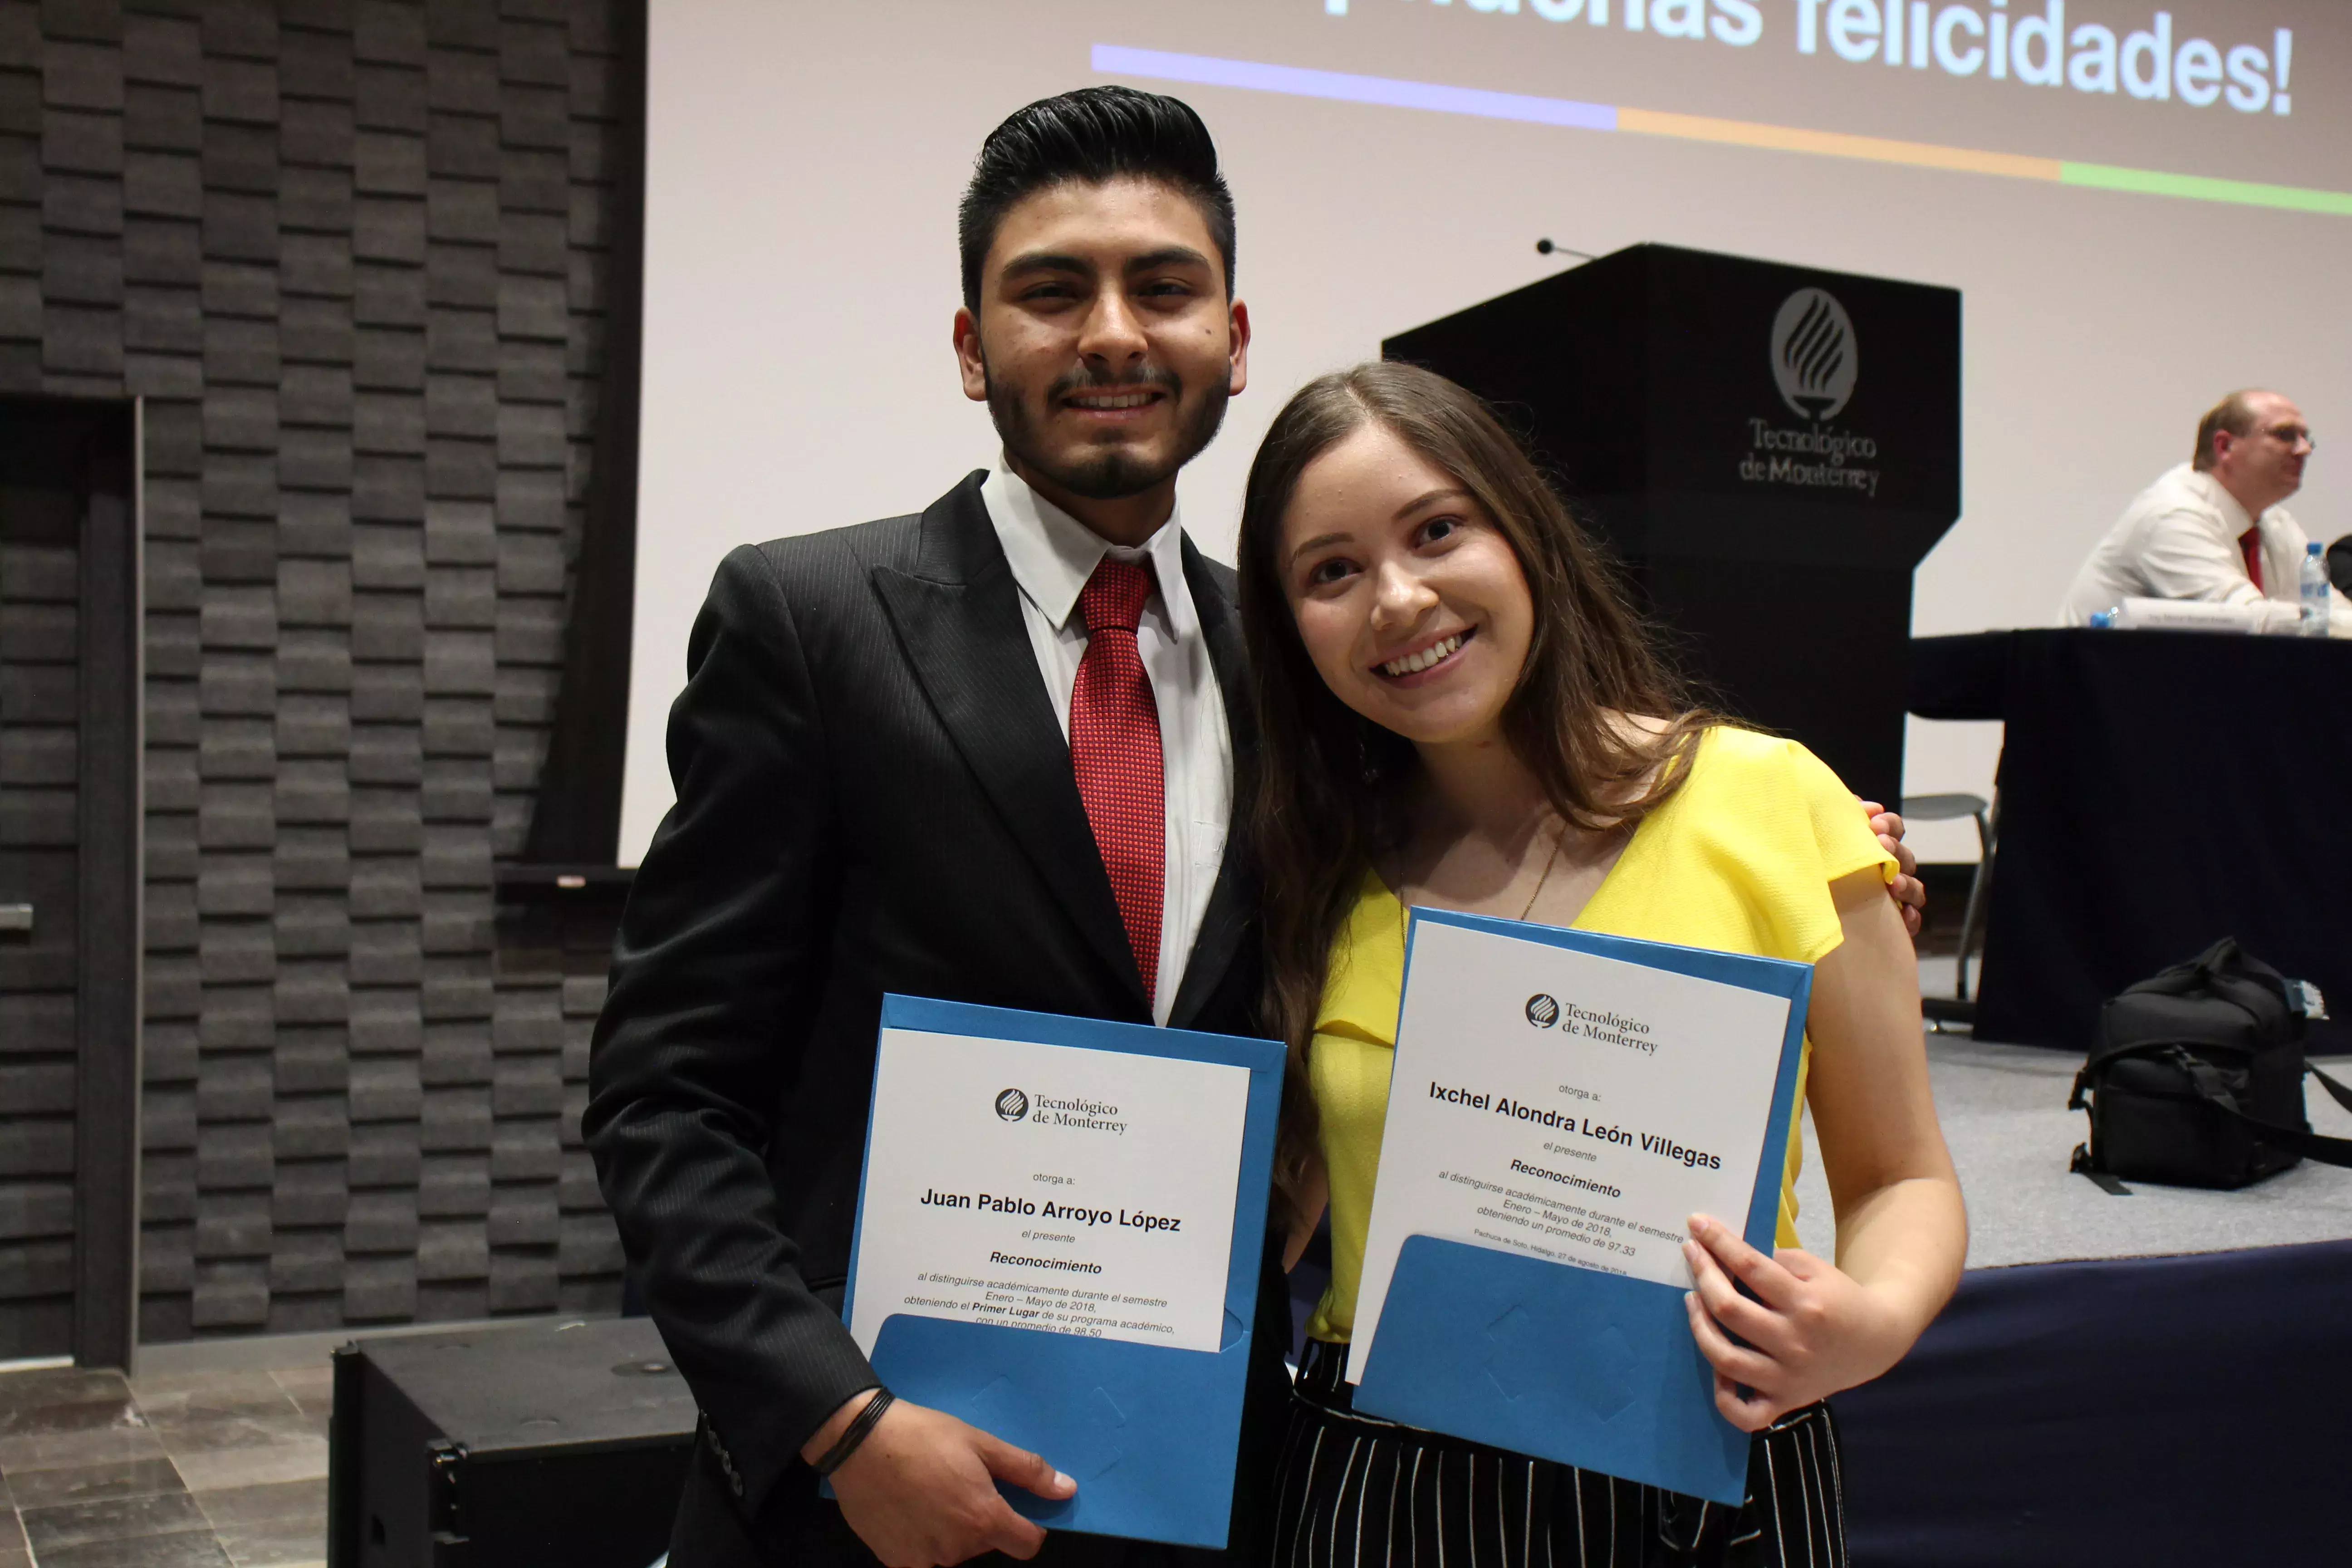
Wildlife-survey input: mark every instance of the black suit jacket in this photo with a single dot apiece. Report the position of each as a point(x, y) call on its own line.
point(873, 794)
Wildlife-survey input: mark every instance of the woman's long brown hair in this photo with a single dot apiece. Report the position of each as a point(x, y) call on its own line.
point(1327, 793)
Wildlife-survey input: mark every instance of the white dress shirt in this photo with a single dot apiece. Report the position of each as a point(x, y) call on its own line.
point(2179, 540)
point(1052, 555)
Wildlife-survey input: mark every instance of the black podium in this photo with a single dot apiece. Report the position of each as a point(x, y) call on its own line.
point(1771, 450)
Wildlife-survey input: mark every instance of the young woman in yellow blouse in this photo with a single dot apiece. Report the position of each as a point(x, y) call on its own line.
point(1457, 710)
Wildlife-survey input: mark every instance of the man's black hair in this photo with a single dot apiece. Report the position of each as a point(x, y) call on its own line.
point(1094, 134)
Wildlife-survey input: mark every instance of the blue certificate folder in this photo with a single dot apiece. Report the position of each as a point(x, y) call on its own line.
point(1150, 1433)
point(1569, 1363)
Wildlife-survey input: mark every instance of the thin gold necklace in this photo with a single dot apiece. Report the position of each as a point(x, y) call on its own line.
point(1549, 862)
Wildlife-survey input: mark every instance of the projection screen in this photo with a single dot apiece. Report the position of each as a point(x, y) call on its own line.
point(2143, 208)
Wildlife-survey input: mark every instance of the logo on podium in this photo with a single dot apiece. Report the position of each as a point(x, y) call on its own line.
point(1813, 355)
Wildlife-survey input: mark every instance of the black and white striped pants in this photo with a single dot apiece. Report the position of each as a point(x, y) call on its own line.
point(1353, 1491)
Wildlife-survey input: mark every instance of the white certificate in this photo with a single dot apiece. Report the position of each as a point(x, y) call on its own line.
point(1566, 1105)
point(1055, 1187)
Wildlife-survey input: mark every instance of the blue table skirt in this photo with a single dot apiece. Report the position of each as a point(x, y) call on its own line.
point(2144, 1410)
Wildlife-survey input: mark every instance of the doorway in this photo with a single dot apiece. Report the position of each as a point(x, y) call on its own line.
point(70, 871)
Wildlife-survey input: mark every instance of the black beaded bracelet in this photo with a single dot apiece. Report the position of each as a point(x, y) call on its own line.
point(855, 1433)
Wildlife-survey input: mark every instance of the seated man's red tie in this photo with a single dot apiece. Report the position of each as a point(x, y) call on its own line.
point(1114, 747)
point(2251, 544)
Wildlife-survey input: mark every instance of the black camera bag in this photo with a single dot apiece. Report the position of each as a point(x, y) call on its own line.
point(2196, 1080)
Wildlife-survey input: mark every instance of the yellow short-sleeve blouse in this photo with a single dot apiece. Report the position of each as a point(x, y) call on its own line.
point(1738, 859)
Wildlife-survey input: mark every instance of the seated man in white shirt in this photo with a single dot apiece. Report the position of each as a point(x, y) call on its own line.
point(2212, 527)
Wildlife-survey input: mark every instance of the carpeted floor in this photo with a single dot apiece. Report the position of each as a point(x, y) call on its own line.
point(2004, 1114)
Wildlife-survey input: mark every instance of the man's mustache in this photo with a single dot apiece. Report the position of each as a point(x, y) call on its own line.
point(1148, 376)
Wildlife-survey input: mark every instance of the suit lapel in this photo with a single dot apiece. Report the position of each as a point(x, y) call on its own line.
point(958, 618)
point(1228, 919)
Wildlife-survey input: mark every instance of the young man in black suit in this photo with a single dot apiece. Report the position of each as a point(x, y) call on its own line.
point(984, 753)
point(904, 764)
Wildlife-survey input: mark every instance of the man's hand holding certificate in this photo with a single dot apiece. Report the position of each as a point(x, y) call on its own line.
point(1058, 1236)
point(1562, 1104)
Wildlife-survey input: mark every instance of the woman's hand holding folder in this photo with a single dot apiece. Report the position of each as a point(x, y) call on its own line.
point(1807, 1332)
point(1814, 1328)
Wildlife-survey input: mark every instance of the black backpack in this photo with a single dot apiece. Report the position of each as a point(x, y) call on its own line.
point(2196, 1080)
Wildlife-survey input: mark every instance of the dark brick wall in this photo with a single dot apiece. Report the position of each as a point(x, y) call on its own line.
point(352, 254)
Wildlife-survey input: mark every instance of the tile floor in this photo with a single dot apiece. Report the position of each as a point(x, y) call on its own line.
point(221, 1470)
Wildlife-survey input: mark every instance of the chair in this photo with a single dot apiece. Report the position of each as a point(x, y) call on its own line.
point(1944, 808)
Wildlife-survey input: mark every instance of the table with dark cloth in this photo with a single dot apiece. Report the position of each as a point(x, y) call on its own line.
point(2159, 790)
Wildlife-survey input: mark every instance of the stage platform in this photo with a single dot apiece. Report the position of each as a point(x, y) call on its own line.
point(2003, 1110)
point(2139, 1379)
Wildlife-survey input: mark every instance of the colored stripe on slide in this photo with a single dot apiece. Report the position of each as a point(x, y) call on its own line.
point(2200, 187)
point(1113, 60)
point(1298, 81)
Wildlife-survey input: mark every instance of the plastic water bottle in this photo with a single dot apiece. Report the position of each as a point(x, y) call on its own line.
point(2314, 579)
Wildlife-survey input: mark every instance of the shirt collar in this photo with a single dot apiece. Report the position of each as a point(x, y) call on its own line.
point(1053, 554)
point(2233, 514)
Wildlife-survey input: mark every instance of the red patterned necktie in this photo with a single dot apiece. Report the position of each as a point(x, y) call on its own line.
point(1115, 748)
point(2250, 543)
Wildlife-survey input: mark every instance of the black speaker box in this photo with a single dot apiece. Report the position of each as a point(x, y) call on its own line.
point(506, 1447)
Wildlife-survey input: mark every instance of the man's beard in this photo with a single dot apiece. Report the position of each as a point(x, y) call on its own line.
point(1110, 473)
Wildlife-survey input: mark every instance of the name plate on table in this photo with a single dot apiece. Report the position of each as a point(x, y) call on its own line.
point(1059, 1231)
point(1562, 1102)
